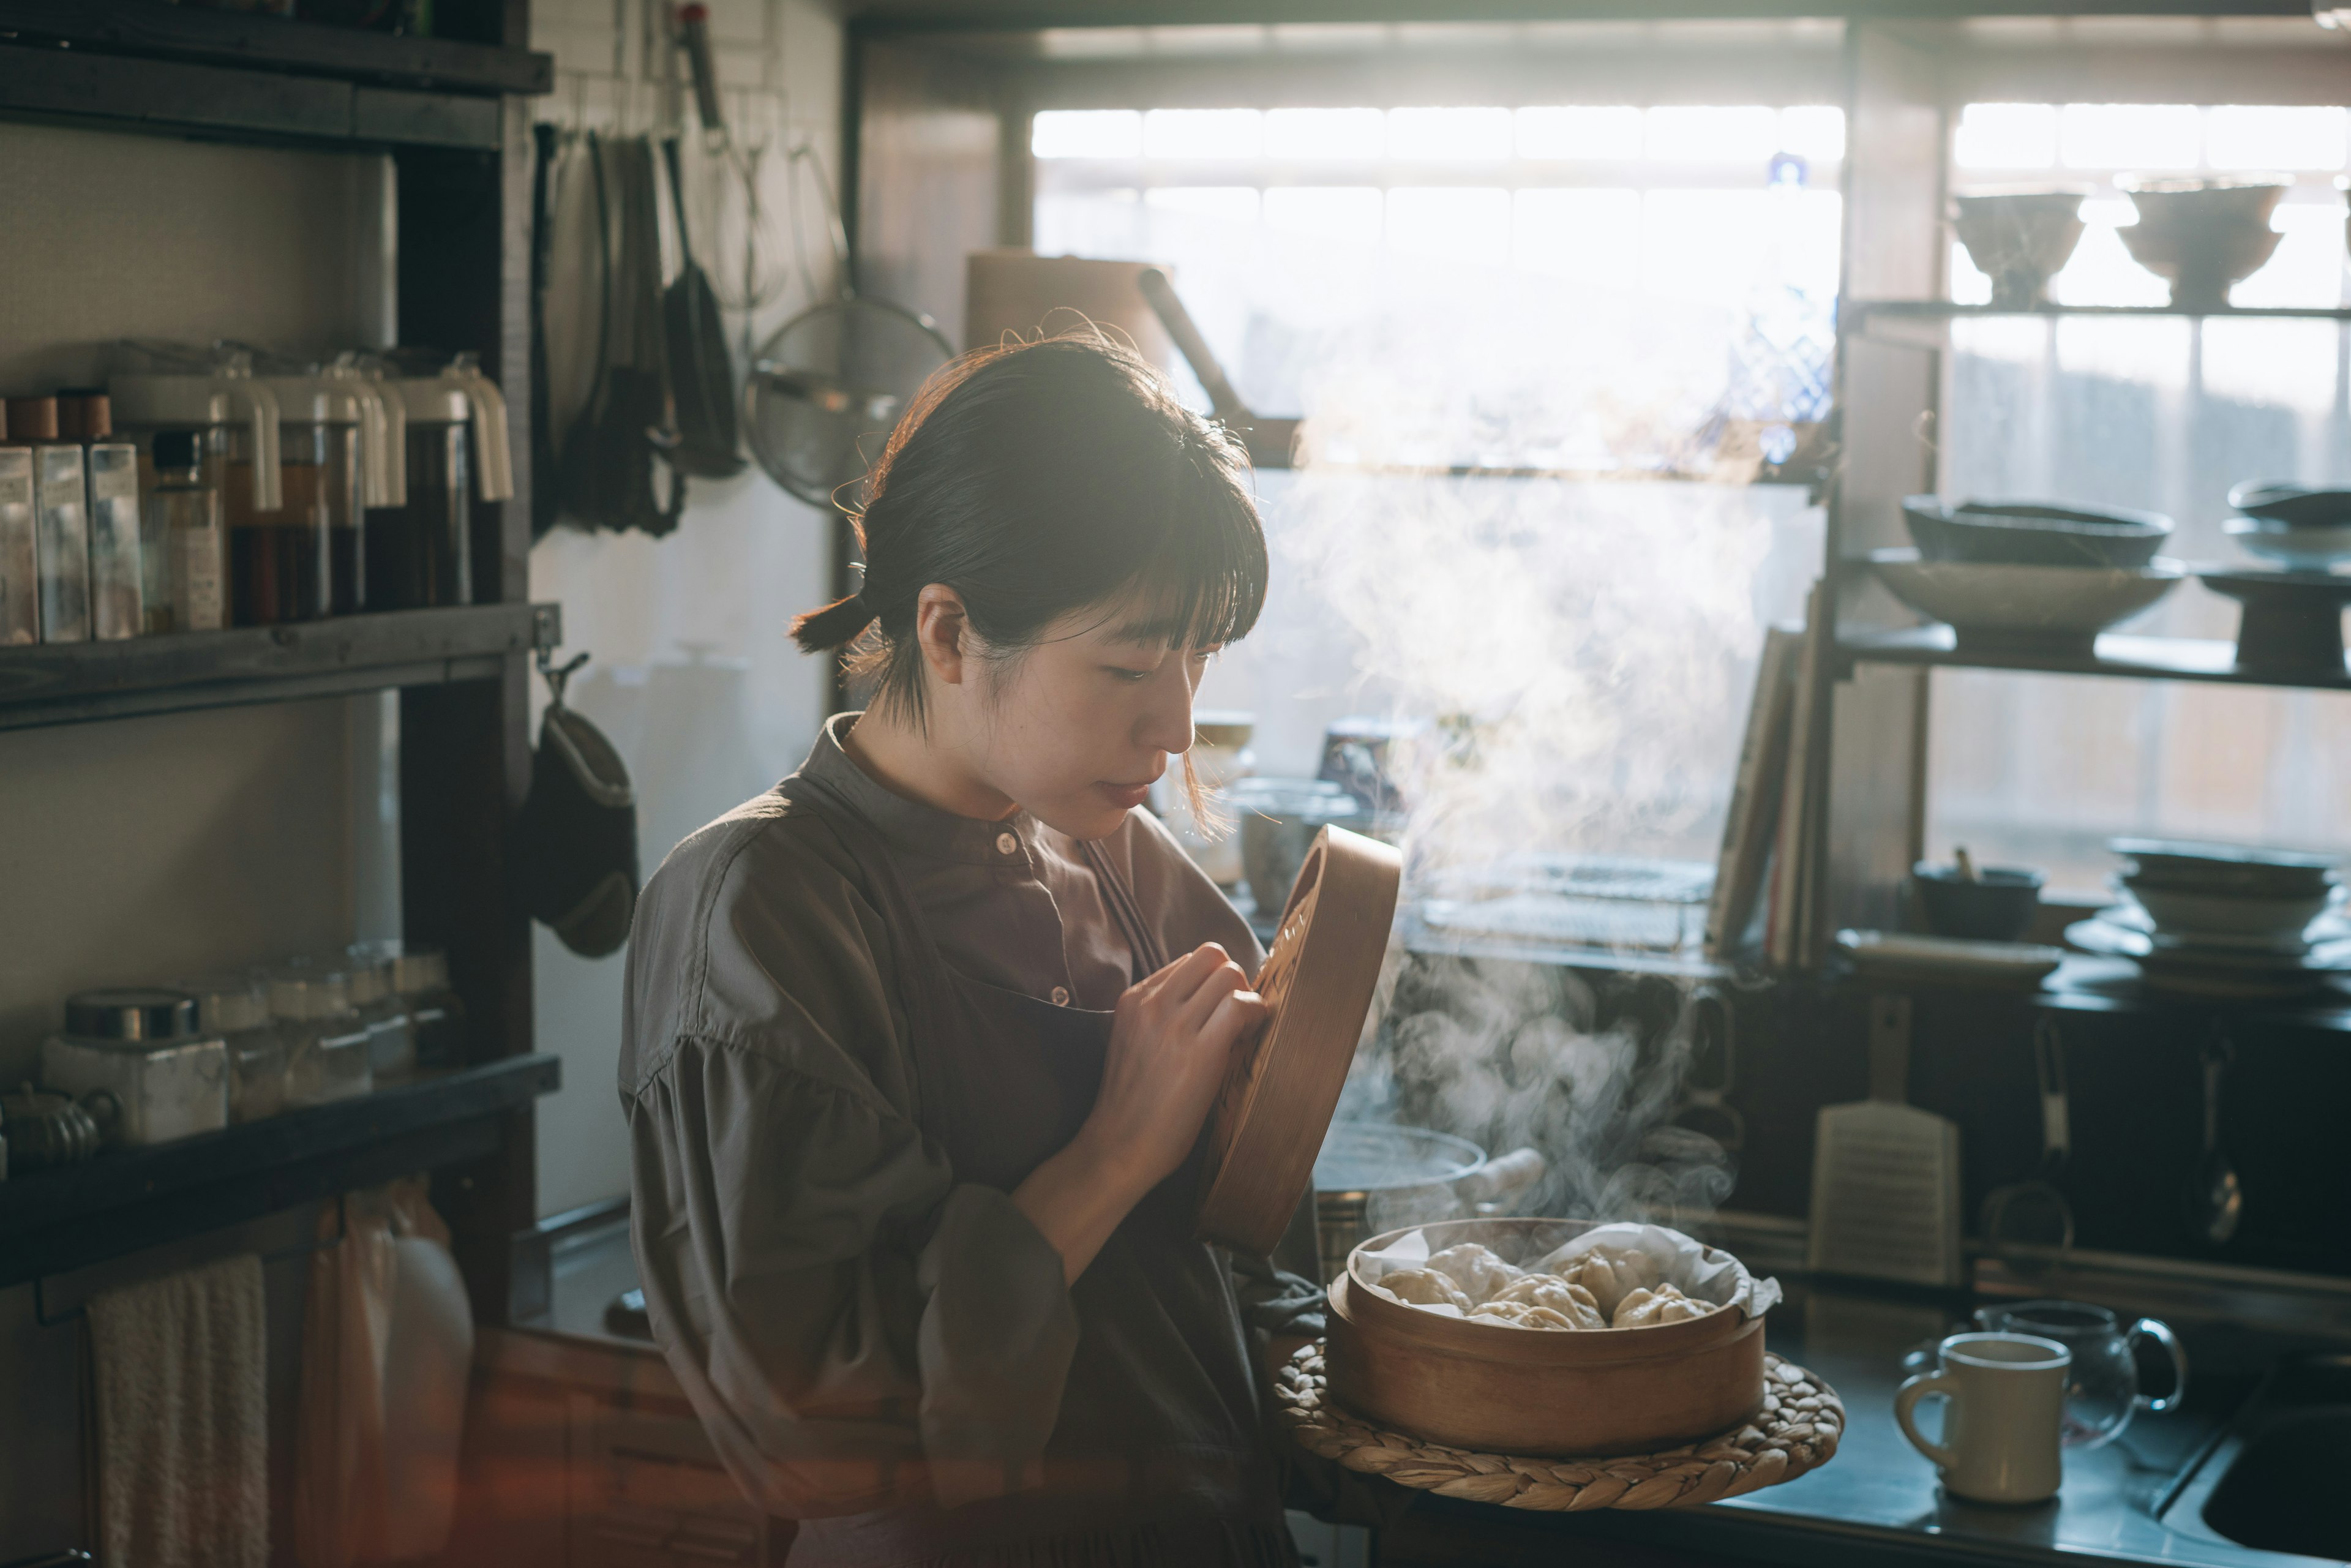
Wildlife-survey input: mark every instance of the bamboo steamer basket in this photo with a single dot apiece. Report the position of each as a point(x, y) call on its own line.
point(1282, 1087)
point(1498, 1390)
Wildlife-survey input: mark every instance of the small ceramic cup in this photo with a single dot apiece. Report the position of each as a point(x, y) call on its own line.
point(2004, 1395)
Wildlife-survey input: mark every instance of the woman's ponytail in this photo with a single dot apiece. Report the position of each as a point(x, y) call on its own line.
point(835, 626)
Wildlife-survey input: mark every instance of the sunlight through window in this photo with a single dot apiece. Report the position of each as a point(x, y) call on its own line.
point(1086, 133)
point(2130, 135)
point(1449, 135)
point(1611, 133)
point(2006, 136)
point(1203, 133)
point(1687, 134)
point(1325, 133)
point(2263, 136)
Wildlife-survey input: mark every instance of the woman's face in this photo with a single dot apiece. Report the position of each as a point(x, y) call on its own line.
point(1076, 727)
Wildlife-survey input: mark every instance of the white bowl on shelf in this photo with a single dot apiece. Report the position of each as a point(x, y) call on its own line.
point(2304, 548)
point(2034, 605)
point(2229, 918)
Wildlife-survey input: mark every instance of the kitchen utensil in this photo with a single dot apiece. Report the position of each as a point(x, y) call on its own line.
point(578, 830)
point(1277, 819)
point(1375, 1176)
point(20, 552)
point(2297, 548)
point(2292, 622)
point(2216, 1197)
point(701, 376)
point(1471, 1385)
point(2034, 533)
point(2019, 239)
point(2293, 506)
point(2102, 1392)
point(1706, 1108)
point(161, 1077)
point(1269, 441)
point(1886, 1174)
point(2202, 237)
point(1995, 905)
point(2003, 1394)
point(1282, 1085)
point(1896, 957)
point(2048, 607)
point(2033, 1213)
point(46, 1129)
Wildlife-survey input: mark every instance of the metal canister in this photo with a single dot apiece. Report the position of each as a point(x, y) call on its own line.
point(1376, 1176)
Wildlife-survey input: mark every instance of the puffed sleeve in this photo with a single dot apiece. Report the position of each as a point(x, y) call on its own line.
point(856, 1327)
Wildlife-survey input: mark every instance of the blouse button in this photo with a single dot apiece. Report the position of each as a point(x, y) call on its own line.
point(1007, 845)
point(1060, 996)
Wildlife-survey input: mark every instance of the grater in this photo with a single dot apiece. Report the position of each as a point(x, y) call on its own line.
point(1886, 1174)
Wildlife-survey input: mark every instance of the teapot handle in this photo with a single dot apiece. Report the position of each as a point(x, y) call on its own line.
point(2160, 1331)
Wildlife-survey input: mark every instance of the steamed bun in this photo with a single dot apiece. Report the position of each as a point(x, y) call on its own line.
point(1568, 1299)
point(1666, 1305)
point(1477, 1269)
point(1424, 1288)
point(1611, 1274)
point(1521, 1315)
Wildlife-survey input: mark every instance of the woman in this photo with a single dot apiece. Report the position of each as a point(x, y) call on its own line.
point(920, 1043)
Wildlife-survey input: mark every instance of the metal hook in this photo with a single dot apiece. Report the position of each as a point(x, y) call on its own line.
point(558, 675)
point(42, 1316)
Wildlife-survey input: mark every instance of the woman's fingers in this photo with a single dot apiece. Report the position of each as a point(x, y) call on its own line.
point(1235, 1015)
point(1218, 984)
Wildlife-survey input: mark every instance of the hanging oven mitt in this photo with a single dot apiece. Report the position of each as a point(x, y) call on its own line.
point(578, 830)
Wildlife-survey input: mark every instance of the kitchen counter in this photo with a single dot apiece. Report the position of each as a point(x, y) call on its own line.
point(1877, 1500)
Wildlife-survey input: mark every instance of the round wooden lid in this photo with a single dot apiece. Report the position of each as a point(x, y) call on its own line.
point(1283, 1085)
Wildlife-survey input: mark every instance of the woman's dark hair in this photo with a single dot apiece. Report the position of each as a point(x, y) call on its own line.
point(1038, 478)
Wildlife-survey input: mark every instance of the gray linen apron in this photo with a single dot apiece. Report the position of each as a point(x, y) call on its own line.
point(1156, 1459)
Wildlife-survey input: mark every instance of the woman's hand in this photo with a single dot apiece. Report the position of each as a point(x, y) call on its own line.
point(1170, 1042)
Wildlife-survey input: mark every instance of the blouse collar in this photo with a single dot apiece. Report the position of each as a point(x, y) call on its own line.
point(909, 825)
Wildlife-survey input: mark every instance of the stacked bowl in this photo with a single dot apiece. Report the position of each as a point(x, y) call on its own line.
point(2220, 920)
point(2300, 530)
point(2029, 572)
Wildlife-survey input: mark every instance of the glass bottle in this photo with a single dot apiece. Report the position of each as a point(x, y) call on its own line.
point(279, 559)
point(420, 975)
point(180, 552)
point(391, 1042)
point(236, 1007)
point(327, 1041)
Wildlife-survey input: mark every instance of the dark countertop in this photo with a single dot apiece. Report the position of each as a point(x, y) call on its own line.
point(1877, 1501)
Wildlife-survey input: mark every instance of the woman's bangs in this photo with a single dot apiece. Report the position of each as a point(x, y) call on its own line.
point(1207, 577)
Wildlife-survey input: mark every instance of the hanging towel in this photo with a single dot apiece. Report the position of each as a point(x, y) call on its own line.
point(179, 1367)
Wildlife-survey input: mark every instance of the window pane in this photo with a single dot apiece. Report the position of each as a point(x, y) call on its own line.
point(1449, 134)
point(1325, 133)
point(1086, 133)
point(2248, 137)
point(1225, 204)
point(2006, 136)
point(1346, 213)
point(2130, 135)
point(1595, 131)
point(1202, 133)
point(1584, 236)
point(1700, 245)
point(1814, 130)
point(1467, 222)
point(1703, 135)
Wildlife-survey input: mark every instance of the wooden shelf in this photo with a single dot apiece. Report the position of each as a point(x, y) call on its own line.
point(158, 30)
point(74, 682)
point(1949, 310)
point(73, 1216)
point(2116, 653)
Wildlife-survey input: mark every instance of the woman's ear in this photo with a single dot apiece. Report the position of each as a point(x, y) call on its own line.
point(940, 626)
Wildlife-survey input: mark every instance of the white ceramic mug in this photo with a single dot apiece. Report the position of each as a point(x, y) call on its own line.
point(2003, 1396)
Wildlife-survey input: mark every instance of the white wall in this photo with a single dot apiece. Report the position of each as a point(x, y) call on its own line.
point(693, 677)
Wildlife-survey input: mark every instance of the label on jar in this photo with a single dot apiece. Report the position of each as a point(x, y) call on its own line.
point(196, 597)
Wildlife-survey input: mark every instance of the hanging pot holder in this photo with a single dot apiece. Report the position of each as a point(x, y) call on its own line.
point(578, 832)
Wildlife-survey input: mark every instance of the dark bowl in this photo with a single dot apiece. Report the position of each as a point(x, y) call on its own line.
point(1997, 906)
point(2292, 504)
point(2034, 533)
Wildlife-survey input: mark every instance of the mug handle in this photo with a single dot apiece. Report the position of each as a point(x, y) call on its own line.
point(1906, 1400)
point(2161, 1333)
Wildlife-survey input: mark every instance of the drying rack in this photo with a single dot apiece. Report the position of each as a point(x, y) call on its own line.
point(80, 1309)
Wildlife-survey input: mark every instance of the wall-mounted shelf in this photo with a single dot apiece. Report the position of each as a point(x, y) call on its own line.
point(142, 64)
point(1927, 323)
point(73, 682)
point(2114, 653)
point(122, 1201)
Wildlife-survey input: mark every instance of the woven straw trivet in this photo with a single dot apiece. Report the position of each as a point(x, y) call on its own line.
point(1798, 1430)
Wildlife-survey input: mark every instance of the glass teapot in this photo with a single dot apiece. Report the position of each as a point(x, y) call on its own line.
point(2102, 1391)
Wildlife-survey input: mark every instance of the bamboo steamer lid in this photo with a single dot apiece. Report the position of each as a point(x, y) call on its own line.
point(1282, 1086)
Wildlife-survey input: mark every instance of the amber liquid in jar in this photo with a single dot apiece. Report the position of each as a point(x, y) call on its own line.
point(278, 564)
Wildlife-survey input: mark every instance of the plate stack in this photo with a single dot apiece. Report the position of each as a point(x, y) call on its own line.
point(2217, 920)
point(2028, 572)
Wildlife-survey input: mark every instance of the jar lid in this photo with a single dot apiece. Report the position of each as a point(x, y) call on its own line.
point(301, 991)
point(229, 1002)
point(138, 1013)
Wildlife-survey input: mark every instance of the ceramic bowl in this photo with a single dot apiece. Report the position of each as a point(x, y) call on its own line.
point(2034, 533)
point(2179, 912)
point(2229, 869)
point(2019, 239)
point(1996, 906)
point(2291, 506)
point(2061, 606)
point(2296, 549)
point(2202, 237)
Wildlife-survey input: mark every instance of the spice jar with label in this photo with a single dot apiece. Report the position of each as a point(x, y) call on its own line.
point(142, 1066)
point(182, 557)
point(20, 550)
point(391, 1043)
point(326, 1040)
point(236, 1007)
point(420, 976)
point(60, 519)
point(116, 589)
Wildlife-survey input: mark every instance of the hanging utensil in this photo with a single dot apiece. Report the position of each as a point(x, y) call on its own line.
point(2029, 1222)
point(1886, 1174)
point(2216, 1199)
point(701, 376)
